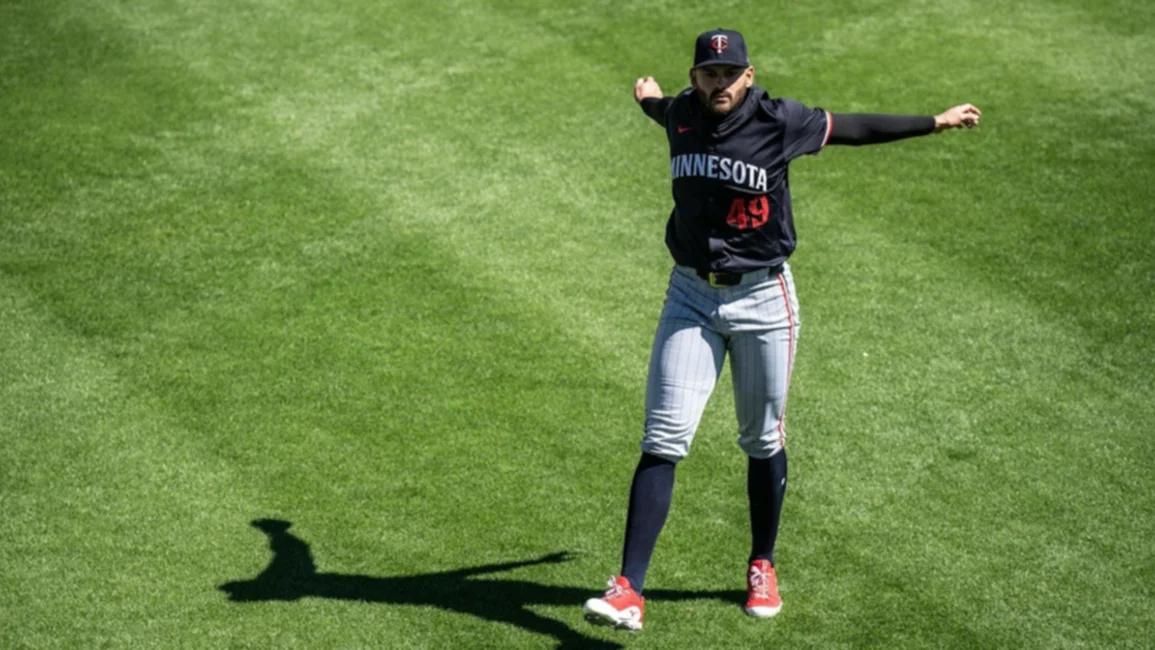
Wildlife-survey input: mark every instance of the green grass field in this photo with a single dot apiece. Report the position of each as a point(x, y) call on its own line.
point(389, 271)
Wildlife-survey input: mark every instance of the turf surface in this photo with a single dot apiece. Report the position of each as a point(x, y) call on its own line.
point(389, 272)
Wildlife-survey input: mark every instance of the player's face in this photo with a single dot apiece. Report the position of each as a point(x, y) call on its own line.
point(721, 87)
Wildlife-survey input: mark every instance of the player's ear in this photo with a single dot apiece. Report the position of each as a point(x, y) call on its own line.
point(749, 76)
point(693, 79)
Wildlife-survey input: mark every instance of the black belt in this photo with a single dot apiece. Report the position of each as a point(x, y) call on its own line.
point(732, 278)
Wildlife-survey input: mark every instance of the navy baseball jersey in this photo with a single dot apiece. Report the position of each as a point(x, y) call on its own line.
point(730, 184)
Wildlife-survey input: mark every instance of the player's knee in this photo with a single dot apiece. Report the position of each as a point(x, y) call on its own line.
point(672, 453)
point(763, 446)
point(669, 442)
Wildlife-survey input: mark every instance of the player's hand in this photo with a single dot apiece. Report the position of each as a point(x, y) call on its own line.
point(953, 118)
point(646, 87)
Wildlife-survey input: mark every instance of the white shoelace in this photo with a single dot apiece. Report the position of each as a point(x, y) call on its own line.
point(759, 582)
point(615, 589)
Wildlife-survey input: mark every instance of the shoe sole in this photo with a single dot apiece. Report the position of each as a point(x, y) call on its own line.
point(599, 613)
point(763, 612)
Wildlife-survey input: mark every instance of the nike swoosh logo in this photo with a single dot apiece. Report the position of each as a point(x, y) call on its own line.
point(683, 129)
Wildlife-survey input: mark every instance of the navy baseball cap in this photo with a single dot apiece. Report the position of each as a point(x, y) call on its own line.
point(720, 47)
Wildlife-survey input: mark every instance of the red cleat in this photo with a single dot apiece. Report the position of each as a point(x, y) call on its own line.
point(620, 607)
point(762, 598)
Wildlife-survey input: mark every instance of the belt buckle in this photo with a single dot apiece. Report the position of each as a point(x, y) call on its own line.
point(712, 278)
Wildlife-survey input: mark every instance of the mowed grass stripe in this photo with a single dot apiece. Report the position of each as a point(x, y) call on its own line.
point(206, 404)
point(414, 480)
point(435, 258)
point(248, 401)
point(421, 184)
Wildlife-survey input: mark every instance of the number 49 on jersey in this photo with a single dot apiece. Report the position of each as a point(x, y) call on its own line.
point(746, 213)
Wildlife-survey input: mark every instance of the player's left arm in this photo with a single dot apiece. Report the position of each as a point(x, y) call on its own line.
point(874, 128)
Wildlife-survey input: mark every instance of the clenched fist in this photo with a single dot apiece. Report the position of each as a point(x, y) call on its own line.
point(953, 118)
point(646, 87)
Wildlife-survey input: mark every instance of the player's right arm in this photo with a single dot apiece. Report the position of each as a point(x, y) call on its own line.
point(648, 94)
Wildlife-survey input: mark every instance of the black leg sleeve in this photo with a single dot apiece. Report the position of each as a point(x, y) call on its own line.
point(650, 496)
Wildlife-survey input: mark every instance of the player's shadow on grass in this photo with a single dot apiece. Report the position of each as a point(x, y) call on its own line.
point(292, 574)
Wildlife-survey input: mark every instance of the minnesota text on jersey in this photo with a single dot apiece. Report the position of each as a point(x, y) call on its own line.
point(720, 168)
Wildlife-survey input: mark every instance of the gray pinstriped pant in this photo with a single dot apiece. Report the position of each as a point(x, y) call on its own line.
point(757, 323)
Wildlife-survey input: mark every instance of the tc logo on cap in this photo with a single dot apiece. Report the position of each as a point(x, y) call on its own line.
point(720, 47)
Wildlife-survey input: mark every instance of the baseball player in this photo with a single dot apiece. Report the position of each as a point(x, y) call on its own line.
point(730, 292)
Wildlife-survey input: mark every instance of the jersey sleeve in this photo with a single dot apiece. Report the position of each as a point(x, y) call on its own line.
point(807, 129)
point(656, 108)
point(876, 128)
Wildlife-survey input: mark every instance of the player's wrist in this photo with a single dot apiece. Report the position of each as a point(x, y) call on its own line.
point(944, 121)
